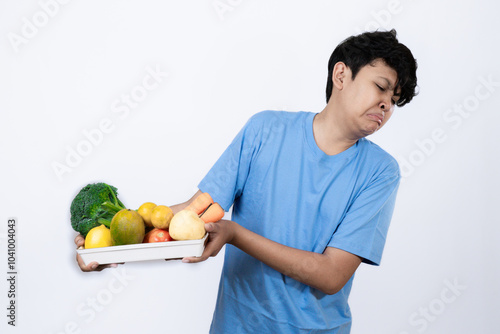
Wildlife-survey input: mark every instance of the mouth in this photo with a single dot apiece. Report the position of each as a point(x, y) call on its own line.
point(377, 118)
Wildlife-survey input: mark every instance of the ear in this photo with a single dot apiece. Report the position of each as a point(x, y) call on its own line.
point(339, 74)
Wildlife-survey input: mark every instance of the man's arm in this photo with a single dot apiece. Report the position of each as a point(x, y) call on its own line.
point(327, 272)
point(178, 207)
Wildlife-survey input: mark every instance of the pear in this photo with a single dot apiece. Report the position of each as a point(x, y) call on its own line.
point(186, 225)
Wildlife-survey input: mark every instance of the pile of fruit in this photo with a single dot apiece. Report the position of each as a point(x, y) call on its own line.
point(98, 214)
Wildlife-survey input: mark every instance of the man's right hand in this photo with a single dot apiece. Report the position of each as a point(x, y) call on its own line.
point(92, 266)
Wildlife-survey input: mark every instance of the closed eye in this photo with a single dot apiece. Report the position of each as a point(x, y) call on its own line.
point(382, 89)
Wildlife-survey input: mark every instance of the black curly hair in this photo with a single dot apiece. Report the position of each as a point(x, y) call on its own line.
point(361, 50)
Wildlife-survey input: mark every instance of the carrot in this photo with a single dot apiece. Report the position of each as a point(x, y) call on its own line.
point(200, 203)
point(213, 213)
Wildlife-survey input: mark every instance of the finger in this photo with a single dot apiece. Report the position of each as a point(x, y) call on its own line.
point(210, 227)
point(94, 266)
point(79, 240)
point(210, 250)
point(104, 266)
point(194, 259)
point(86, 268)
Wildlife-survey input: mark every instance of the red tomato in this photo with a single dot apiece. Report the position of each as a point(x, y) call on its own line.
point(157, 235)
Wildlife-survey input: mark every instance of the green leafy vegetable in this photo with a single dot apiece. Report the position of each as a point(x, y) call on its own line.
point(94, 205)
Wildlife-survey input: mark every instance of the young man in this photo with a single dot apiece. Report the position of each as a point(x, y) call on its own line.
point(312, 198)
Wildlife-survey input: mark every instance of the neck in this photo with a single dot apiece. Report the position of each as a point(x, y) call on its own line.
point(330, 134)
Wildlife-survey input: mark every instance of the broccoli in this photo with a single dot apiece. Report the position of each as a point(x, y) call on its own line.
point(94, 205)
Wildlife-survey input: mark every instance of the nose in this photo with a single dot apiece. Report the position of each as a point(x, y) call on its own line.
point(383, 106)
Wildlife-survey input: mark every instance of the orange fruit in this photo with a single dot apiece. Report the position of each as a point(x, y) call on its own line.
point(145, 211)
point(161, 216)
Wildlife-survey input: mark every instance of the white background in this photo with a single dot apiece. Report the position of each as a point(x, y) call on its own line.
point(63, 78)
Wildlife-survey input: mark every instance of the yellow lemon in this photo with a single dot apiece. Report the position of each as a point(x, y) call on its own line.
point(161, 216)
point(145, 212)
point(99, 236)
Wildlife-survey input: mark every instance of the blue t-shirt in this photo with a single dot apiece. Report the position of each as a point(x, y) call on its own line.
point(284, 187)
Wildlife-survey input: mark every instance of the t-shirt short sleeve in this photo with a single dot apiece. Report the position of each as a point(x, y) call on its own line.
point(363, 230)
point(227, 177)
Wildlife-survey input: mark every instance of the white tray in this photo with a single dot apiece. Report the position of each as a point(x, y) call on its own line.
point(144, 251)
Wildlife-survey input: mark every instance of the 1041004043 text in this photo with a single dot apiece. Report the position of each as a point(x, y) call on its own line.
point(11, 271)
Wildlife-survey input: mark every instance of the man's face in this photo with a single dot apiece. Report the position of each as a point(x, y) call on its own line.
point(369, 99)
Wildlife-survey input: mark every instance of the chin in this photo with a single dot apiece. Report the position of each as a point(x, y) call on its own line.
point(368, 132)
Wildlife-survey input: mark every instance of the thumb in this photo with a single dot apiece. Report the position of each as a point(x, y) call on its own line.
point(79, 240)
point(210, 227)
